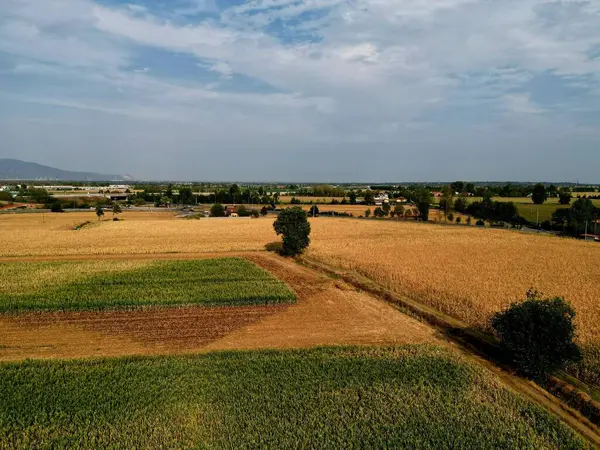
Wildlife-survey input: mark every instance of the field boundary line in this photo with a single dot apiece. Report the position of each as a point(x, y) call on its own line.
point(483, 348)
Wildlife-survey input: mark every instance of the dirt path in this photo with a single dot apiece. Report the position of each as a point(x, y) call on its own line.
point(328, 312)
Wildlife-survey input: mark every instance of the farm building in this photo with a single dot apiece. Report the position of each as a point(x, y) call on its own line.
point(381, 198)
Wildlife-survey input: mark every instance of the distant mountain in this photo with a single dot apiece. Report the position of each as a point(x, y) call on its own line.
point(14, 169)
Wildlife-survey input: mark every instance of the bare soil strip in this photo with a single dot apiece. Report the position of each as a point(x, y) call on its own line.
point(328, 312)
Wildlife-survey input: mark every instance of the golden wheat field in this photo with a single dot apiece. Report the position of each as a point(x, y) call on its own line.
point(137, 232)
point(463, 271)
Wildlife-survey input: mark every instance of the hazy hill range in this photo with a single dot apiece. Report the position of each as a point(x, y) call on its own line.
point(14, 169)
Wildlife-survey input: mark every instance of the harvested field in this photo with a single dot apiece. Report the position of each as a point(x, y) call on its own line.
point(463, 271)
point(469, 273)
point(327, 312)
point(31, 234)
point(399, 397)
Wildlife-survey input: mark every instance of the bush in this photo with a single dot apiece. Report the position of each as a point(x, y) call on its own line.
point(538, 334)
point(255, 214)
point(293, 224)
point(56, 207)
point(242, 211)
point(217, 210)
point(451, 217)
point(480, 223)
point(458, 219)
point(264, 211)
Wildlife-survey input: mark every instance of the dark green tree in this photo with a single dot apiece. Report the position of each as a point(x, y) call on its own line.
point(368, 212)
point(538, 334)
point(539, 194)
point(352, 197)
point(461, 204)
point(379, 212)
point(423, 200)
point(564, 197)
point(116, 209)
point(56, 206)
point(217, 210)
point(313, 211)
point(186, 195)
point(369, 198)
point(386, 208)
point(458, 186)
point(99, 212)
point(292, 224)
point(264, 211)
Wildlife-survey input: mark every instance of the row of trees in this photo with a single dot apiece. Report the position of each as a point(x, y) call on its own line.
point(575, 220)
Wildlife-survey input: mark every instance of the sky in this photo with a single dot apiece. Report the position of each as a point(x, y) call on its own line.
point(304, 90)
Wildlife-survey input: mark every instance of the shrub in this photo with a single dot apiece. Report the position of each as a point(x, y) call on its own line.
point(242, 211)
point(255, 214)
point(458, 219)
point(538, 334)
point(293, 224)
point(451, 217)
point(480, 223)
point(264, 211)
point(217, 210)
point(56, 207)
point(379, 212)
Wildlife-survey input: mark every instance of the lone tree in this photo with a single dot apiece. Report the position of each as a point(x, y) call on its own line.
point(217, 210)
point(292, 224)
point(99, 212)
point(264, 211)
point(539, 194)
point(116, 209)
point(538, 334)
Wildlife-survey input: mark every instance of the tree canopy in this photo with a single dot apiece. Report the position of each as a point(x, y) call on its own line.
point(292, 224)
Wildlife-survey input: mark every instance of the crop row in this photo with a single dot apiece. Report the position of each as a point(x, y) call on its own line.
point(213, 282)
point(403, 397)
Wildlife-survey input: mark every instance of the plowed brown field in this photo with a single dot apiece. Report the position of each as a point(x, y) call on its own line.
point(328, 312)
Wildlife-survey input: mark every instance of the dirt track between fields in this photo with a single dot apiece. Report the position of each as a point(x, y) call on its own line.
point(328, 312)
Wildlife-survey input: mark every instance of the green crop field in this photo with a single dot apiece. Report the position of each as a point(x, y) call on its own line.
point(211, 282)
point(529, 210)
point(404, 397)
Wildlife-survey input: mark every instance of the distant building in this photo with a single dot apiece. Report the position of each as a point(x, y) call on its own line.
point(381, 198)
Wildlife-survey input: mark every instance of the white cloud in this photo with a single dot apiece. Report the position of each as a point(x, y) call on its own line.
point(343, 71)
point(521, 103)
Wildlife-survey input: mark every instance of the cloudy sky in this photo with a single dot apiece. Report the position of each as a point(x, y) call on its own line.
point(305, 90)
